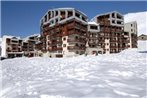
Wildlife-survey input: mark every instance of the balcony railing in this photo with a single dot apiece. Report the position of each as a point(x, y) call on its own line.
point(55, 48)
point(77, 32)
point(71, 25)
point(76, 40)
point(75, 48)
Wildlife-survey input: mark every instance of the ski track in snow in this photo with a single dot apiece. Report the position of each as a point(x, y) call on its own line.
point(120, 75)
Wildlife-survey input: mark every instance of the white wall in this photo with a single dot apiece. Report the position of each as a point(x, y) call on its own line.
point(3, 46)
point(107, 47)
point(66, 52)
point(128, 27)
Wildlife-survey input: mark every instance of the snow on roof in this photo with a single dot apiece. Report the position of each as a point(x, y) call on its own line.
point(131, 22)
point(93, 23)
point(105, 14)
point(9, 36)
point(33, 35)
point(66, 8)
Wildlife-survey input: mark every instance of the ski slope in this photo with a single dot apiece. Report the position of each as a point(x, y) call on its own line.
point(120, 75)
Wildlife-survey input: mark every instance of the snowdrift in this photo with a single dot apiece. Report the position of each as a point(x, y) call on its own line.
point(142, 46)
point(120, 75)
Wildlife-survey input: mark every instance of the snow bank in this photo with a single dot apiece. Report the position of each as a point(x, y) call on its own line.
point(142, 46)
point(120, 75)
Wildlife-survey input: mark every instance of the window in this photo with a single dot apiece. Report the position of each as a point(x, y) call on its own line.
point(52, 13)
point(76, 37)
point(56, 13)
point(52, 22)
point(76, 45)
point(64, 38)
point(77, 15)
point(118, 16)
point(45, 18)
point(83, 18)
point(70, 13)
point(49, 15)
point(118, 22)
point(64, 45)
point(113, 15)
point(93, 27)
point(62, 15)
point(56, 20)
point(62, 12)
point(113, 21)
point(131, 30)
point(131, 25)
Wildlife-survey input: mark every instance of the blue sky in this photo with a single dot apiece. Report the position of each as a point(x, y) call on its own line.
point(21, 18)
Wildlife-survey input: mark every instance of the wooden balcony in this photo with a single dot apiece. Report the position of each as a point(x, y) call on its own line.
point(59, 35)
point(77, 32)
point(75, 48)
point(46, 25)
point(57, 30)
point(81, 40)
point(70, 26)
point(8, 50)
point(125, 41)
point(55, 48)
point(113, 47)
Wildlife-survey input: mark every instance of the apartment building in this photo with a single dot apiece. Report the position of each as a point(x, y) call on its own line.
point(111, 36)
point(63, 32)
point(31, 45)
point(131, 27)
point(66, 32)
point(92, 46)
point(11, 47)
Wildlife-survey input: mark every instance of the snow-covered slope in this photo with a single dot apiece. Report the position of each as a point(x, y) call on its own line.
point(142, 46)
point(120, 75)
point(140, 18)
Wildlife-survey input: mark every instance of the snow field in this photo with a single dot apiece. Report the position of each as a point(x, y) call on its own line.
point(121, 75)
